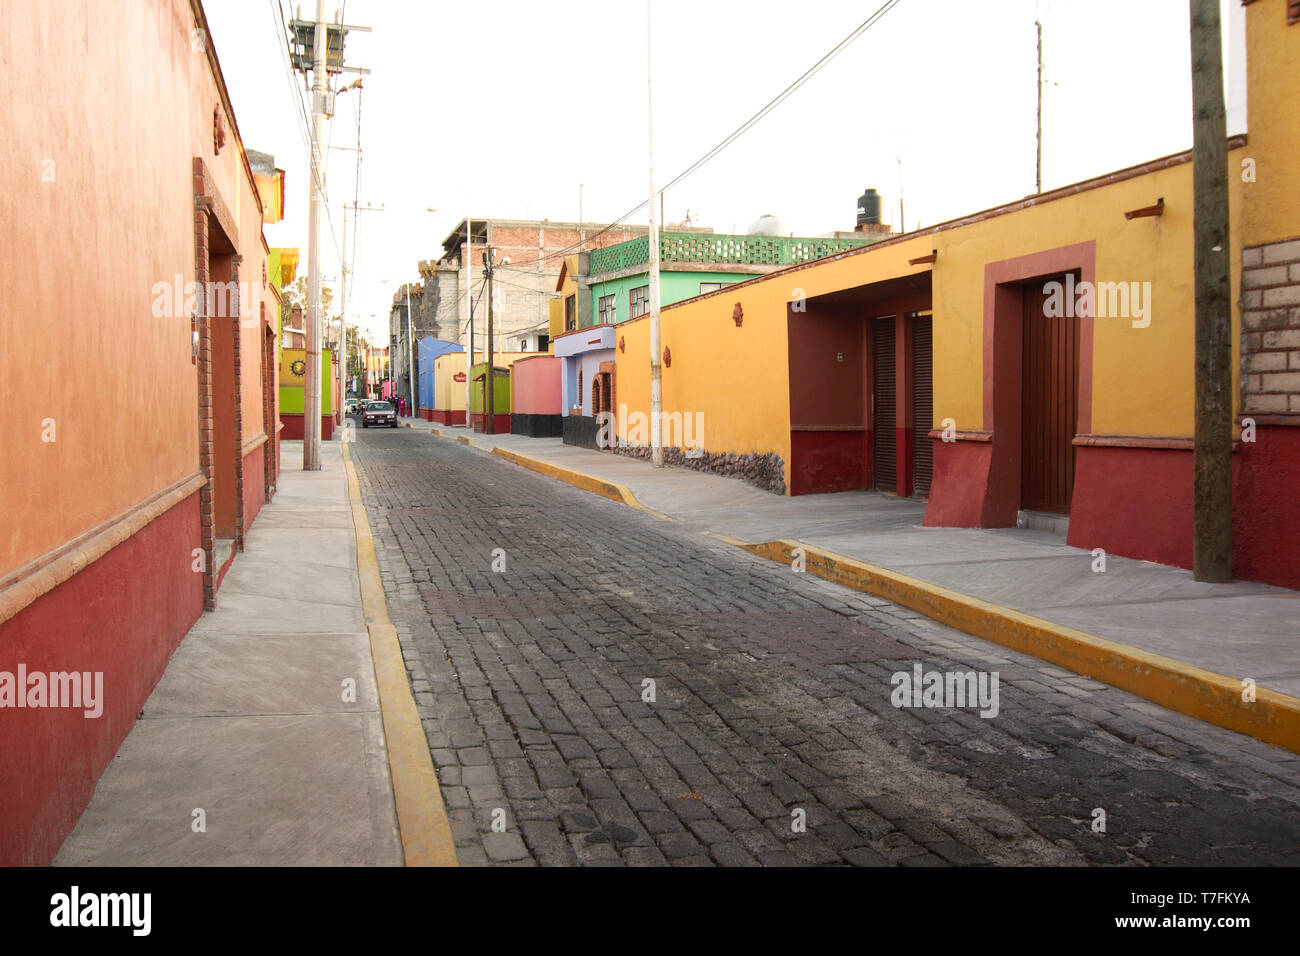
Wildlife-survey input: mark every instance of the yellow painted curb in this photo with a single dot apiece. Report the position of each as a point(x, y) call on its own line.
point(1216, 698)
point(612, 490)
point(421, 816)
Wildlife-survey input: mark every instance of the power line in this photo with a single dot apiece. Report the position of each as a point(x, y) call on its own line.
point(302, 115)
point(736, 133)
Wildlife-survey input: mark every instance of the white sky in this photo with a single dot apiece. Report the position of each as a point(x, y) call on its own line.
point(501, 109)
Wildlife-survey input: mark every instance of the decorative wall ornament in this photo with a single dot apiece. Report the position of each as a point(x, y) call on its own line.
point(218, 131)
point(668, 357)
point(738, 314)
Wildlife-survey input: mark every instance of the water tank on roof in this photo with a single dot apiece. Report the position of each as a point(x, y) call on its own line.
point(767, 225)
point(869, 208)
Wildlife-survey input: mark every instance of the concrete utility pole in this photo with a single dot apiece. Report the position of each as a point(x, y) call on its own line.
point(469, 311)
point(311, 397)
point(1038, 174)
point(1212, 493)
point(410, 350)
point(357, 210)
point(656, 369)
point(489, 380)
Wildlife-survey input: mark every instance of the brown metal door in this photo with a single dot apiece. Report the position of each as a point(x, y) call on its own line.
point(922, 406)
point(1049, 409)
point(885, 420)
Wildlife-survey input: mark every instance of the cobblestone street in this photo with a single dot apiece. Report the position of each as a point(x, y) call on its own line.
point(771, 696)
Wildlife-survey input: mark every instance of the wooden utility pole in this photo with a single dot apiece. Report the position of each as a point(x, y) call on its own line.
point(1212, 494)
point(489, 379)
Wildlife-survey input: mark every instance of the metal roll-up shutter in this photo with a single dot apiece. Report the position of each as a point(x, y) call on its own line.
point(885, 420)
point(922, 406)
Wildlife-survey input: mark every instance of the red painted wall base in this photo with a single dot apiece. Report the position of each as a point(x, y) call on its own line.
point(293, 430)
point(827, 461)
point(444, 417)
point(500, 424)
point(1135, 502)
point(1266, 508)
point(124, 615)
point(959, 487)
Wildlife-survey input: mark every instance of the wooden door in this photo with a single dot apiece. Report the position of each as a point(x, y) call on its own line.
point(1049, 404)
point(922, 406)
point(885, 419)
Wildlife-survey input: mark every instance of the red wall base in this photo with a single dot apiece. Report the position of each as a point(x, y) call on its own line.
point(1135, 502)
point(293, 430)
point(827, 461)
point(1138, 503)
point(124, 615)
point(959, 487)
point(444, 417)
point(500, 424)
point(1266, 508)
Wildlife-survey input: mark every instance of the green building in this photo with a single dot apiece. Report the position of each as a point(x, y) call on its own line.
point(691, 264)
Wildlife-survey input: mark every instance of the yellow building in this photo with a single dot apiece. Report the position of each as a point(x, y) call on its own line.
point(1033, 358)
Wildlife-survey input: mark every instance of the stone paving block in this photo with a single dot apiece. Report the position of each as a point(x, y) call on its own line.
point(536, 674)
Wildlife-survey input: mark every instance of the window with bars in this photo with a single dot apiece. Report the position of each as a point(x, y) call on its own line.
point(606, 307)
point(713, 286)
point(639, 301)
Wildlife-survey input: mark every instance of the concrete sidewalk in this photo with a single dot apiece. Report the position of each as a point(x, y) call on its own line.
point(250, 723)
point(1242, 629)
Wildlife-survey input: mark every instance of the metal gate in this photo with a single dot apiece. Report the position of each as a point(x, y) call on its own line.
point(1049, 406)
point(885, 418)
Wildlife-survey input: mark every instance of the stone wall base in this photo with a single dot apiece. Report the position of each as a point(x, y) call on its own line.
point(761, 471)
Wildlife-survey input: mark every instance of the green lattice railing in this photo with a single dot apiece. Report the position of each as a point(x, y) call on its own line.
point(707, 247)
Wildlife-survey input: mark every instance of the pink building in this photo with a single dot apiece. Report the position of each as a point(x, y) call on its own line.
point(535, 390)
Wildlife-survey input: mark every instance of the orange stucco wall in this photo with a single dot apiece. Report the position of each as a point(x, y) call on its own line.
point(95, 214)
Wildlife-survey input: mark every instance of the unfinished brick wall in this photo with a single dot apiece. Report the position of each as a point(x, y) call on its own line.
point(1270, 329)
point(526, 285)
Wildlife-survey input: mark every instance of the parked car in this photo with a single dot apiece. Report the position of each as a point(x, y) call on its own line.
point(378, 413)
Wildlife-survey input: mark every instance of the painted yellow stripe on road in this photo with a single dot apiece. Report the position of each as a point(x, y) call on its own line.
point(421, 814)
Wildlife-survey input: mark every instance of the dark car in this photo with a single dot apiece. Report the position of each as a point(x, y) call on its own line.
point(378, 413)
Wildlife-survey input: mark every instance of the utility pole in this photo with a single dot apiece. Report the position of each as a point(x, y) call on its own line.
point(308, 50)
point(1212, 458)
point(312, 403)
point(469, 312)
point(489, 380)
point(357, 210)
point(656, 369)
point(1038, 167)
point(410, 349)
point(902, 223)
